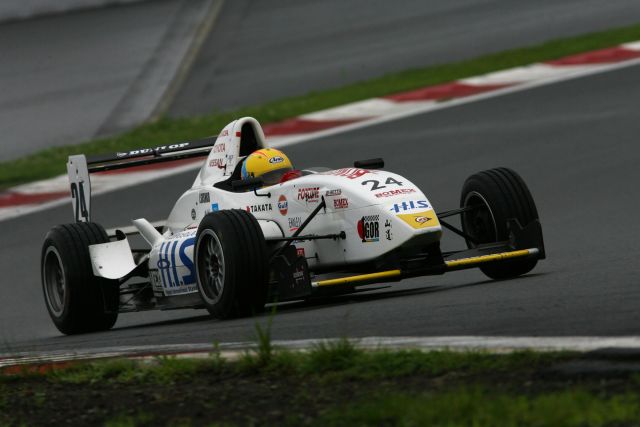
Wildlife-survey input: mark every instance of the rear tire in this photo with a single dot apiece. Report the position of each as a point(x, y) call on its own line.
point(500, 194)
point(77, 301)
point(231, 263)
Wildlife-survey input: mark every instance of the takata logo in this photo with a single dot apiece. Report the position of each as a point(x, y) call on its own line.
point(309, 194)
point(369, 228)
point(283, 205)
point(276, 159)
point(409, 205)
point(265, 207)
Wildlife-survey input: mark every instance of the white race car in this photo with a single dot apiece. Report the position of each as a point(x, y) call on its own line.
point(231, 245)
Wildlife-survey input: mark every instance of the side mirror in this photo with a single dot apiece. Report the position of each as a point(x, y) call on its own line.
point(376, 163)
point(247, 184)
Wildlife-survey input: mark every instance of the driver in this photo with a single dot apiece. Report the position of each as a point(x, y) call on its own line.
point(272, 165)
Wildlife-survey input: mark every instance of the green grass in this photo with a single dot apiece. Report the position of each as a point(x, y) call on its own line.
point(338, 384)
point(52, 161)
point(334, 361)
point(475, 406)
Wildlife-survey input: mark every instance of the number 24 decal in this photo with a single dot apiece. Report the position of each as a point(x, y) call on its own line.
point(376, 184)
point(77, 194)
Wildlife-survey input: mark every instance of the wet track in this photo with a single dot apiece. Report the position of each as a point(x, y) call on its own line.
point(575, 143)
point(265, 50)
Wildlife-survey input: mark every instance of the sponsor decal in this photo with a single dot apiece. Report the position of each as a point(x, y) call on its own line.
point(331, 193)
point(214, 208)
point(283, 205)
point(397, 192)
point(409, 205)
point(369, 228)
point(225, 132)
point(193, 214)
point(342, 203)
point(309, 195)
point(276, 159)
point(300, 252)
point(265, 207)
point(219, 147)
point(294, 223)
point(426, 219)
point(376, 185)
point(156, 284)
point(351, 173)
point(387, 229)
point(152, 150)
point(217, 163)
point(168, 255)
point(205, 198)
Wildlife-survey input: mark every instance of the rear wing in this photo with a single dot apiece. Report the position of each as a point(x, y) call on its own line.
point(80, 167)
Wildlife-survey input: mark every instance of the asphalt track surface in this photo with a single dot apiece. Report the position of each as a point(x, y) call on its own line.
point(263, 50)
point(575, 143)
point(66, 78)
point(63, 75)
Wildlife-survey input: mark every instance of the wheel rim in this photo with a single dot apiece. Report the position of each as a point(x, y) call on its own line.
point(55, 285)
point(480, 222)
point(211, 267)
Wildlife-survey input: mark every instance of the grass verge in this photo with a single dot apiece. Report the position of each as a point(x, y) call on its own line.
point(334, 384)
point(52, 161)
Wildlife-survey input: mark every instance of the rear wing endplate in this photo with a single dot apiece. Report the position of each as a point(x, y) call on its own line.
point(80, 167)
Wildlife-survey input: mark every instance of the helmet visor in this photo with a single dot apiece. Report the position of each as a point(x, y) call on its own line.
point(273, 177)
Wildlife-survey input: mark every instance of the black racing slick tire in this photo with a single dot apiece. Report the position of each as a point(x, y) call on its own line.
point(231, 264)
point(77, 301)
point(498, 195)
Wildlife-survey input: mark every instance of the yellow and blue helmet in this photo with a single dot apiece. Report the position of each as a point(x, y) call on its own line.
point(267, 163)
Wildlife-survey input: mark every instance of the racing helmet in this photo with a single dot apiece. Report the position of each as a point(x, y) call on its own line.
point(267, 163)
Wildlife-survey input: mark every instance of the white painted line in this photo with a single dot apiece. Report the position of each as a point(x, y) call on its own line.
point(364, 109)
point(527, 73)
point(632, 45)
point(100, 184)
point(493, 344)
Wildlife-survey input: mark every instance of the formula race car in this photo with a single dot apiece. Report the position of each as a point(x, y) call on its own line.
point(232, 245)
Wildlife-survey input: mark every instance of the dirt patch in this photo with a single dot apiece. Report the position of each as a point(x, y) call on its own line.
point(276, 398)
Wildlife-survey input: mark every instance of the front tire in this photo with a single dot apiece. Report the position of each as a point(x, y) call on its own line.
point(231, 264)
point(498, 195)
point(77, 301)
